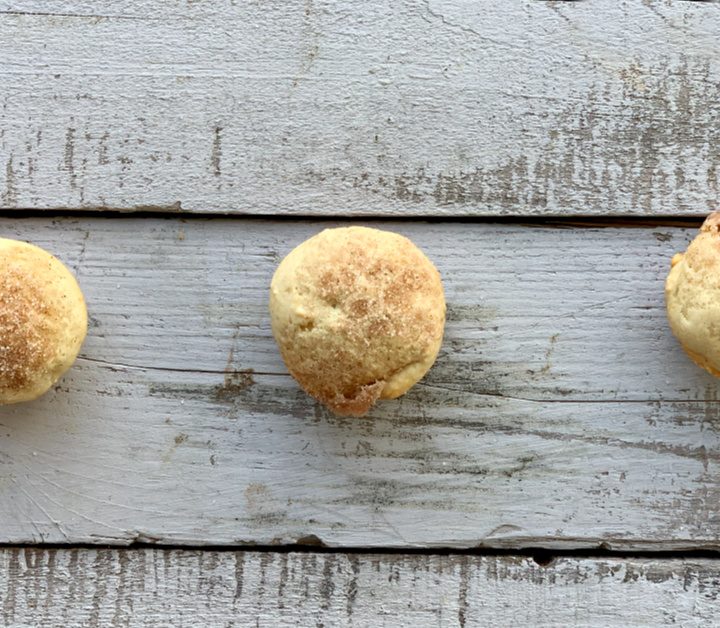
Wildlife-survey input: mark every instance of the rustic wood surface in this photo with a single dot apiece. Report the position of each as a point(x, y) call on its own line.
point(424, 107)
point(153, 588)
point(560, 413)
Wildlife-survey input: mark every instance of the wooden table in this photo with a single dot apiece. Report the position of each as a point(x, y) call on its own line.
point(560, 463)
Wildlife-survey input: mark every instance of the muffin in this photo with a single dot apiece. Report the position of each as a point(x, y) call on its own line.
point(43, 321)
point(692, 294)
point(358, 315)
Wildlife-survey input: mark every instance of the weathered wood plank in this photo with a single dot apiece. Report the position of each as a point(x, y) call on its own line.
point(123, 588)
point(421, 107)
point(534, 313)
point(560, 413)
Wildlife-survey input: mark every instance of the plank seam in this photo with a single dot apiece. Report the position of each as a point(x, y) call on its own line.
point(542, 556)
point(573, 221)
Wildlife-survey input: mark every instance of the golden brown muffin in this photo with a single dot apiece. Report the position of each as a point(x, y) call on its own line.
point(358, 315)
point(692, 294)
point(43, 321)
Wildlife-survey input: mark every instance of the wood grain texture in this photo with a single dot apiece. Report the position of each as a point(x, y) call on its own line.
point(560, 413)
point(419, 107)
point(153, 588)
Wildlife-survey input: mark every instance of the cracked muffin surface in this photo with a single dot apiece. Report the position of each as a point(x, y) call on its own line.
point(358, 314)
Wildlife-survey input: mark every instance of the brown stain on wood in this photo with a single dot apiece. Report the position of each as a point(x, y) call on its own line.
point(474, 314)
point(234, 384)
point(548, 354)
point(177, 441)
point(310, 540)
point(235, 391)
point(235, 381)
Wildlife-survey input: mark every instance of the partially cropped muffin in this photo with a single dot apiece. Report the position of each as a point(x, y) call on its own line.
point(358, 315)
point(43, 321)
point(692, 294)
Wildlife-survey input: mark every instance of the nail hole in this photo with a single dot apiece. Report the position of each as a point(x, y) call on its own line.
point(543, 558)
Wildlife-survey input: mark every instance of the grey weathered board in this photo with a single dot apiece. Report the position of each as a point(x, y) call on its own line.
point(153, 588)
point(425, 107)
point(560, 413)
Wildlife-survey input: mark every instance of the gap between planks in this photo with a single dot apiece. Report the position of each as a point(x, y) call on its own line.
point(312, 545)
point(574, 221)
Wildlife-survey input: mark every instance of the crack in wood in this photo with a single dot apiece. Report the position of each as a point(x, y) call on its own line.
point(92, 16)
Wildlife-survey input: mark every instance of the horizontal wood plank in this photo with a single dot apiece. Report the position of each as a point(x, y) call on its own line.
point(154, 588)
point(560, 413)
point(573, 314)
point(422, 107)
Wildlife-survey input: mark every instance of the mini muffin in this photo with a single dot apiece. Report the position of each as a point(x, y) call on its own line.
point(358, 315)
point(692, 293)
point(43, 321)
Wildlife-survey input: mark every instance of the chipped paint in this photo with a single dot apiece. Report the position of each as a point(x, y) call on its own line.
point(216, 154)
point(9, 195)
point(68, 157)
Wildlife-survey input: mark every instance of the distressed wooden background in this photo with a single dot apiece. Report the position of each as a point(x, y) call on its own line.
point(409, 107)
point(162, 588)
point(171, 153)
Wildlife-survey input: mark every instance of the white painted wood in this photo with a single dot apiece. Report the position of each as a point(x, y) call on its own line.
point(539, 314)
point(561, 412)
point(421, 107)
point(153, 588)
